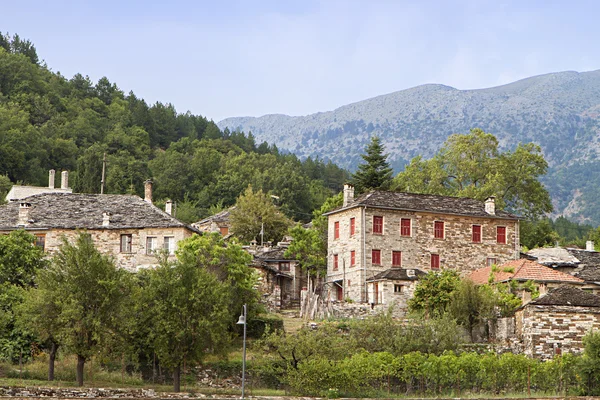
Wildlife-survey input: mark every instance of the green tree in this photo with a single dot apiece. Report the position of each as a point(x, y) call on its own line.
point(434, 292)
point(192, 301)
point(90, 291)
point(537, 233)
point(591, 363)
point(375, 172)
point(471, 166)
point(255, 212)
point(471, 305)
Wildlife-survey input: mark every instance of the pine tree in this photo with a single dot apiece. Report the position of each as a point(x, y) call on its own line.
point(376, 172)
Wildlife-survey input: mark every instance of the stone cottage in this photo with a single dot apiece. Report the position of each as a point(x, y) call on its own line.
point(280, 278)
point(127, 227)
point(522, 271)
point(556, 322)
point(394, 286)
point(215, 223)
point(380, 230)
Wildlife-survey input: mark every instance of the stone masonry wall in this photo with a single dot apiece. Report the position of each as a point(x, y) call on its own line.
point(546, 330)
point(108, 241)
point(456, 249)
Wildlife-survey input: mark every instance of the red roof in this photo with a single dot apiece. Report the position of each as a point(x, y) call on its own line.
point(522, 270)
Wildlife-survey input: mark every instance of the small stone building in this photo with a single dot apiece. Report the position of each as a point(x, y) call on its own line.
point(127, 227)
point(215, 223)
point(556, 322)
point(380, 230)
point(281, 279)
point(394, 286)
point(18, 192)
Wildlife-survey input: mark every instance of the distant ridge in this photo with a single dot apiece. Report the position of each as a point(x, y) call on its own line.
point(559, 111)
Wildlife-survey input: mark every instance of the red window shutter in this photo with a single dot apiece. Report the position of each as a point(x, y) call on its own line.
point(477, 233)
point(376, 257)
point(435, 261)
point(352, 222)
point(336, 230)
point(335, 262)
point(501, 234)
point(377, 224)
point(396, 258)
point(352, 258)
point(438, 229)
point(405, 227)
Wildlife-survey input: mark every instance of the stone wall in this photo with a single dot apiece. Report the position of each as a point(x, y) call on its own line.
point(386, 294)
point(548, 330)
point(108, 241)
point(456, 249)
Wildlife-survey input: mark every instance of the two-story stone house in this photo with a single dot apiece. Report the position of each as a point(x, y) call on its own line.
point(381, 230)
point(127, 227)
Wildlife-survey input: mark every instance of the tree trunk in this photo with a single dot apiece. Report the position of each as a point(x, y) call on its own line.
point(177, 379)
point(80, 364)
point(51, 359)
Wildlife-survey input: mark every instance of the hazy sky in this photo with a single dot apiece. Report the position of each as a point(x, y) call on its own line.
point(237, 58)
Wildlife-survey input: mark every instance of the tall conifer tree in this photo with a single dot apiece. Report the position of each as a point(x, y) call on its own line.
point(375, 172)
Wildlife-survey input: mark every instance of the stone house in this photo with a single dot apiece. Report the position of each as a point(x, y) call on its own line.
point(18, 192)
point(129, 228)
point(584, 264)
point(215, 223)
point(522, 271)
point(380, 230)
point(393, 286)
point(280, 278)
point(557, 322)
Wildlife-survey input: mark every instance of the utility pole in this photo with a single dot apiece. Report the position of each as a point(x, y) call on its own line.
point(103, 174)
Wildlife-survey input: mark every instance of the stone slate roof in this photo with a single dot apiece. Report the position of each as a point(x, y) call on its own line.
point(18, 192)
point(222, 216)
point(398, 274)
point(567, 296)
point(523, 270)
point(424, 202)
point(274, 254)
point(554, 257)
point(85, 211)
point(589, 264)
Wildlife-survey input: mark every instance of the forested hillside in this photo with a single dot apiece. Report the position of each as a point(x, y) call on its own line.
point(48, 121)
point(558, 111)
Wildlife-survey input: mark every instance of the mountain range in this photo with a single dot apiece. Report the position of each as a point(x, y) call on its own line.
point(559, 111)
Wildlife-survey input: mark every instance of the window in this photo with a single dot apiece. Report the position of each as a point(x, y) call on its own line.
point(378, 225)
point(490, 261)
point(169, 244)
point(438, 229)
point(40, 241)
point(151, 243)
point(352, 225)
point(126, 243)
point(405, 227)
point(336, 230)
point(501, 234)
point(349, 282)
point(284, 266)
point(376, 257)
point(476, 234)
point(396, 258)
point(352, 258)
point(398, 288)
point(435, 261)
point(335, 262)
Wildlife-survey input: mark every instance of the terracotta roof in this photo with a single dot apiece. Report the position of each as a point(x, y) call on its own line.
point(522, 270)
point(85, 211)
point(567, 296)
point(398, 274)
point(425, 202)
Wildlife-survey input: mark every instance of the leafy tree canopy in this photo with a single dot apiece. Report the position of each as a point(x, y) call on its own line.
point(471, 165)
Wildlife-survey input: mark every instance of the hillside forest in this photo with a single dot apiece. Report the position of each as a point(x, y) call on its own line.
point(48, 121)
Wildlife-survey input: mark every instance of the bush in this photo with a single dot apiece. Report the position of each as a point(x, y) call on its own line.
point(257, 326)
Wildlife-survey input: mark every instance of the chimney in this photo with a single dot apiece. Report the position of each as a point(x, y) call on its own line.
point(348, 194)
point(64, 180)
point(410, 272)
point(589, 245)
point(23, 213)
point(490, 205)
point(105, 219)
point(169, 207)
point(148, 191)
point(51, 175)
